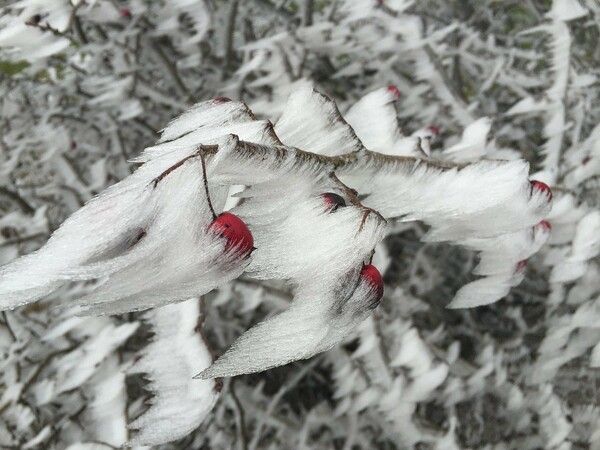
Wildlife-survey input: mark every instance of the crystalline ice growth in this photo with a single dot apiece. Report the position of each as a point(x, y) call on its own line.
point(175, 355)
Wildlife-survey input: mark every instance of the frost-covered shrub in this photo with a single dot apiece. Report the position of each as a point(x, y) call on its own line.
point(444, 113)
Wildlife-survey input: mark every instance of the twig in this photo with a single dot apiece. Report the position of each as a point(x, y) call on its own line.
point(15, 197)
point(79, 30)
point(241, 419)
point(228, 39)
point(169, 66)
point(8, 327)
point(267, 288)
point(280, 393)
point(307, 19)
point(205, 179)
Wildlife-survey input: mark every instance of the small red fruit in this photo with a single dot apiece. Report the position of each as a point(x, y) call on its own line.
point(125, 13)
point(547, 226)
point(370, 275)
point(394, 91)
point(539, 186)
point(235, 231)
point(35, 19)
point(435, 130)
point(218, 100)
point(333, 201)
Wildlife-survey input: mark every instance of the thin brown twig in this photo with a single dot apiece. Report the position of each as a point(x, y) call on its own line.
point(229, 32)
point(20, 201)
point(241, 417)
point(205, 180)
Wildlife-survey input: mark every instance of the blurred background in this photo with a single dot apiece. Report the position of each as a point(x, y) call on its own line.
point(87, 85)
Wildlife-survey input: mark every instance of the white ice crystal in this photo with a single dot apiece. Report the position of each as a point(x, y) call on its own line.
point(586, 245)
point(159, 215)
point(312, 122)
point(177, 352)
point(375, 121)
point(312, 324)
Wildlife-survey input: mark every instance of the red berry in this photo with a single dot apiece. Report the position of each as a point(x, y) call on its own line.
point(394, 91)
point(235, 231)
point(333, 201)
point(35, 19)
point(435, 130)
point(218, 100)
point(125, 12)
point(539, 186)
point(370, 275)
point(547, 226)
point(521, 265)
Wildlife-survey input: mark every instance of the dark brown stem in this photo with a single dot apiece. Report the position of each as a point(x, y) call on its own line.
point(203, 161)
point(229, 31)
point(307, 20)
point(241, 419)
point(25, 207)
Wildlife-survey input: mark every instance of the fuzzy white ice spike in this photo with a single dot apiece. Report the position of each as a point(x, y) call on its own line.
point(215, 113)
point(502, 263)
point(158, 214)
point(177, 352)
point(484, 199)
point(375, 122)
point(488, 206)
point(291, 214)
point(311, 121)
point(256, 131)
point(501, 254)
point(472, 146)
point(585, 246)
point(328, 304)
point(313, 324)
point(565, 10)
point(77, 366)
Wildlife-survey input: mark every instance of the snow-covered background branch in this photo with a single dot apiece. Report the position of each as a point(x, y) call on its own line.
point(442, 125)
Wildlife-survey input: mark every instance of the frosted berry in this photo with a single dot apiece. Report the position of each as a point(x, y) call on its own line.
point(545, 225)
point(125, 13)
point(370, 275)
point(521, 265)
point(543, 187)
point(35, 19)
point(434, 130)
point(218, 100)
point(333, 201)
point(235, 231)
point(394, 91)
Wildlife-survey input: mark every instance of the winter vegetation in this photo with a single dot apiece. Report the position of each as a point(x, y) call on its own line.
point(277, 224)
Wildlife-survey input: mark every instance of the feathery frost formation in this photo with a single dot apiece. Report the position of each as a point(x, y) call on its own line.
point(431, 157)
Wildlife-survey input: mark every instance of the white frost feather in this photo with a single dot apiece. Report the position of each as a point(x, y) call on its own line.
point(312, 122)
point(176, 354)
point(375, 122)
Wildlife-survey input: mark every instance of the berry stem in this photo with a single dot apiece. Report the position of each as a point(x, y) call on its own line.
point(203, 161)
